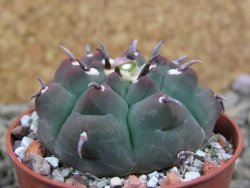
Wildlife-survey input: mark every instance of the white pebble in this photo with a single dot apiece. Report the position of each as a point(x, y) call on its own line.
point(25, 121)
point(102, 183)
point(143, 178)
point(56, 175)
point(161, 175)
point(65, 172)
point(34, 116)
point(152, 182)
point(107, 186)
point(153, 174)
point(116, 181)
point(26, 141)
point(200, 153)
point(20, 152)
point(224, 156)
point(197, 163)
point(190, 175)
point(174, 170)
point(53, 161)
point(215, 145)
point(33, 126)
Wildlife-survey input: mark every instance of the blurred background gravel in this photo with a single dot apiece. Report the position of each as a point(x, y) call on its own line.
point(216, 32)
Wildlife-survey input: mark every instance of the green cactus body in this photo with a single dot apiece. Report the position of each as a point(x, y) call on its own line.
point(114, 118)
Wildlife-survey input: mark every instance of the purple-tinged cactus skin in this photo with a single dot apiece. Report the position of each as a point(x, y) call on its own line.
point(115, 117)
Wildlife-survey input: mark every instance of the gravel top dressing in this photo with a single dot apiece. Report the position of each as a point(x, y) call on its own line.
point(33, 154)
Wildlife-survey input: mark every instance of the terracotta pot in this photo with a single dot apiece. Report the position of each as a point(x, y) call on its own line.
point(219, 178)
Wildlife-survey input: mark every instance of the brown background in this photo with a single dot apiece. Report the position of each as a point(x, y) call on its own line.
point(216, 31)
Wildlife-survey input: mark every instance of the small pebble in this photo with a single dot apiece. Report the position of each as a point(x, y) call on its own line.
point(171, 179)
point(191, 175)
point(33, 126)
point(224, 156)
point(57, 176)
point(174, 170)
point(152, 182)
point(143, 178)
point(93, 186)
point(75, 181)
point(116, 182)
point(20, 152)
point(26, 141)
point(215, 145)
point(134, 182)
point(38, 164)
point(20, 131)
point(198, 164)
point(34, 116)
point(221, 140)
point(102, 183)
point(32, 135)
point(154, 174)
point(16, 144)
point(25, 121)
point(65, 172)
point(200, 153)
point(161, 174)
point(53, 161)
point(35, 148)
point(208, 167)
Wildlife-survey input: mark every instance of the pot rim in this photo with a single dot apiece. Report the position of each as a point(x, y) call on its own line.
point(216, 172)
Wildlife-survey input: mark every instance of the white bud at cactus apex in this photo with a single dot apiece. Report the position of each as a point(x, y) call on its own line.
point(126, 66)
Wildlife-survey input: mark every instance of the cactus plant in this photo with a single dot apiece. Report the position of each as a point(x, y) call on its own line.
point(114, 117)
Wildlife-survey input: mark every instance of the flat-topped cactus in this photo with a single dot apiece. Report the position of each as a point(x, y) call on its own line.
point(114, 117)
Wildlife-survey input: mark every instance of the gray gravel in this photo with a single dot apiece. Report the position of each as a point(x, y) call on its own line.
point(237, 106)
